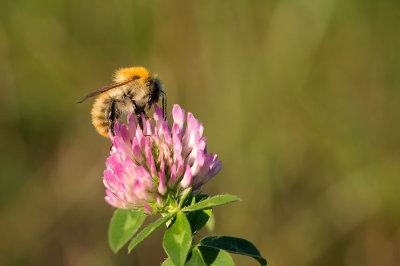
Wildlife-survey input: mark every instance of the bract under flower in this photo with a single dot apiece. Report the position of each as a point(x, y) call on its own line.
point(145, 165)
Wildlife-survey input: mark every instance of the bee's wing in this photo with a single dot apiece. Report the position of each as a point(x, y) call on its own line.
point(109, 87)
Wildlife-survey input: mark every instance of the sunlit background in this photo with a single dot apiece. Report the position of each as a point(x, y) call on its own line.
point(299, 98)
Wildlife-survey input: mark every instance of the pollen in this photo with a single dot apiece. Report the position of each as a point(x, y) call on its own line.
point(129, 72)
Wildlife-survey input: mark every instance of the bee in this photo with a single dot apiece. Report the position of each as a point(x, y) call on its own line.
point(134, 89)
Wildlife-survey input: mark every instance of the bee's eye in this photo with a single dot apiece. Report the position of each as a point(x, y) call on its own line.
point(136, 77)
point(157, 85)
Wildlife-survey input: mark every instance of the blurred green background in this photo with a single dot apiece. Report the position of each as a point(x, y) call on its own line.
point(299, 98)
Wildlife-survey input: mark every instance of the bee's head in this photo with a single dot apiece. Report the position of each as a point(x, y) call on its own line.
point(158, 86)
point(157, 92)
point(156, 89)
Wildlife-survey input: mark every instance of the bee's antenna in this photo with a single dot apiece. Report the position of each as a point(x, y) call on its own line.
point(164, 104)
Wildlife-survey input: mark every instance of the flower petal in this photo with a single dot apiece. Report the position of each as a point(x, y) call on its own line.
point(187, 178)
point(178, 115)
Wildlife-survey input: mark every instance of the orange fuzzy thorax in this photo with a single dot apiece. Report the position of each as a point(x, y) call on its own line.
point(129, 72)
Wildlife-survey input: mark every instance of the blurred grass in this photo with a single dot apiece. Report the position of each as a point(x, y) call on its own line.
point(299, 98)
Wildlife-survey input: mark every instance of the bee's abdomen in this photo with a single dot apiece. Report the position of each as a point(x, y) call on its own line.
point(100, 114)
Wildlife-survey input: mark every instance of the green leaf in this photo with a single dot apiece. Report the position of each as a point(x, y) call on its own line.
point(196, 258)
point(216, 257)
point(185, 197)
point(200, 197)
point(168, 262)
point(209, 256)
point(234, 245)
point(211, 222)
point(146, 232)
point(178, 240)
point(211, 202)
point(190, 200)
point(198, 219)
point(123, 226)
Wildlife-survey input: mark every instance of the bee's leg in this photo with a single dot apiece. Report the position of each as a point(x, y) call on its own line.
point(138, 112)
point(112, 116)
point(140, 121)
point(164, 105)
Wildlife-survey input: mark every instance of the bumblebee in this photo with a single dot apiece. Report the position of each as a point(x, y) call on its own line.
point(134, 89)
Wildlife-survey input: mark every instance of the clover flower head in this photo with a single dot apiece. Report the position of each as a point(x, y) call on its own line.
point(147, 165)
